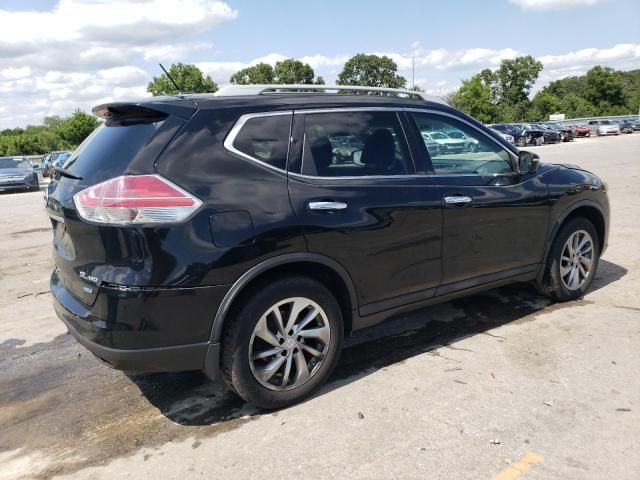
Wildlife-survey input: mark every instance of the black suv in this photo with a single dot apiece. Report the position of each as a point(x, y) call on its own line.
point(236, 233)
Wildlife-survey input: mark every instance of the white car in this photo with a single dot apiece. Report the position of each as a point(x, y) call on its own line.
point(447, 144)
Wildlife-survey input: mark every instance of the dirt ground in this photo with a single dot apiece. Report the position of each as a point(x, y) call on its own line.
point(499, 385)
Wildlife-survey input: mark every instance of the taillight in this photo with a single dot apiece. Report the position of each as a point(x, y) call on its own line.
point(135, 199)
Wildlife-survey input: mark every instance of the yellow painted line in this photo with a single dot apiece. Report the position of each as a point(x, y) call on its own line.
point(513, 471)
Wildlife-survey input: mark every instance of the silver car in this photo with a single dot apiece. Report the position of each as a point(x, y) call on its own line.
point(604, 127)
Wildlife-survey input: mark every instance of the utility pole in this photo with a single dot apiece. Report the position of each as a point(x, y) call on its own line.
point(413, 72)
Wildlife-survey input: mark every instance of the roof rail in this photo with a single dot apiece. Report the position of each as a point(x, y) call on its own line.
point(239, 90)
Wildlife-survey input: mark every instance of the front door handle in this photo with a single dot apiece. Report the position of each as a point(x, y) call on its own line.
point(457, 200)
point(327, 206)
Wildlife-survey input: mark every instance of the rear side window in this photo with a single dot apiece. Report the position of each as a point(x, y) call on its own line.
point(264, 137)
point(109, 150)
point(347, 144)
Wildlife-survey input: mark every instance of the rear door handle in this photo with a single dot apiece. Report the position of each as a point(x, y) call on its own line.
point(457, 200)
point(327, 206)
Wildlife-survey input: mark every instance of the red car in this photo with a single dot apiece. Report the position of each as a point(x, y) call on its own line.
point(580, 131)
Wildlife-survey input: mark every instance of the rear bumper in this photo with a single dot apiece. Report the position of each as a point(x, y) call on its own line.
point(146, 330)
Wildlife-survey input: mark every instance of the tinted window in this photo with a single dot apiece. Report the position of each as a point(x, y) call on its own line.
point(265, 138)
point(345, 144)
point(109, 150)
point(472, 153)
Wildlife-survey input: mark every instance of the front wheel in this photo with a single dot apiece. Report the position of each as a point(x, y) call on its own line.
point(572, 261)
point(521, 142)
point(283, 343)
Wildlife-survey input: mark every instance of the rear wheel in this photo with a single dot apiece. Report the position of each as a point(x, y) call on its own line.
point(283, 343)
point(521, 141)
point(572, 261)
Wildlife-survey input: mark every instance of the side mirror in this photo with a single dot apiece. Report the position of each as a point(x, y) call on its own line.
point(528, 161)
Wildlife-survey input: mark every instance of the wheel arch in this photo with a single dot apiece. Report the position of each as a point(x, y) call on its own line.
point(585, 208)
point(319, 267)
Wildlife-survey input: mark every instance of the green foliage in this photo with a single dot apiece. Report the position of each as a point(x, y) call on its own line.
point(371, 71)
point(474, 97)
point(288, 71)
point(514, 80)
point(77, 127)
point(503, 95)
point(543, 105)
point(602, 91)
point(604, 86)
point(188, 77)
point(262, 73)
point(56, 133)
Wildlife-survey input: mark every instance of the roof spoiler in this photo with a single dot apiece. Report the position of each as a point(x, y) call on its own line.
point(117, 113)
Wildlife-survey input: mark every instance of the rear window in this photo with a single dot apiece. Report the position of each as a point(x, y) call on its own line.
point(109, 150)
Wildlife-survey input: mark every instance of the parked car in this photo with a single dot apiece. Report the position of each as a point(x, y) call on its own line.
point(55, 160)
point(433, 147)
point(522, 136)
point(533, 135)
point(446, 143)
point(216, 232)
point(635, 123)
point(16, 173)
point(566, 132)
point(470, 144)
point(551, 135)
point(625, 126)
point(45, 165)
point(580, 131)
point(604, 127)
point(505, 136)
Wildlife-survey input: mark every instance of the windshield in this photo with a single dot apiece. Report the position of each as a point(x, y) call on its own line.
point(14, 163)
point(606, 122)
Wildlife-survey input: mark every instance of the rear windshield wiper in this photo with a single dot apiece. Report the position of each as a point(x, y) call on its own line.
point(66, 173)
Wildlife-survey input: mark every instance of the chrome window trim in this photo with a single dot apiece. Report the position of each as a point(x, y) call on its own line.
point(512, 156)
point(358, 109)
point(237, 127)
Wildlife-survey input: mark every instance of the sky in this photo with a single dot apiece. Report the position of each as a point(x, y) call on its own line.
point(59, 55)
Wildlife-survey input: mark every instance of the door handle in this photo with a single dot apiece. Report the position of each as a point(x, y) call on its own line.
point(327, 206)
point(457, 200)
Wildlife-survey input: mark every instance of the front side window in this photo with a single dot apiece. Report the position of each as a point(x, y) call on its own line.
point(347, 144)
point(458, 149)
point(265, 138)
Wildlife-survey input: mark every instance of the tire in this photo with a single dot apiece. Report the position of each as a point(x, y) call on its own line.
point(242, 338)
point(588, 135)
point(521, 142)
point(554, 284)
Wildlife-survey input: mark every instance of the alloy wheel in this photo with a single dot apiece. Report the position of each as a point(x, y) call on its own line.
point(576, 260)
point(289, 343)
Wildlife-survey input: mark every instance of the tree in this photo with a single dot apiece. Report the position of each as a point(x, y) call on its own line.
point(543, 105)
point(294, 71)
point(604, 87)
point(288, 71)
point(188, 77)
point(475, 98)
point(515, 78)
point(371, 71)
point(77, 127)
point(53, 121)
point(261, 74)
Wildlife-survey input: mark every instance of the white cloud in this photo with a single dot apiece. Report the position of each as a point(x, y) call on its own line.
point(542, 5)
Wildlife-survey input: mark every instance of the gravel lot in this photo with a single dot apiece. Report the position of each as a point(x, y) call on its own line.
point(493, 386)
